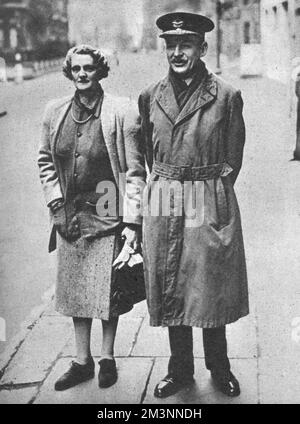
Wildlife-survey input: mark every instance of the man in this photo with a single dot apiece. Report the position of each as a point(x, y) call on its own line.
point(195, 269)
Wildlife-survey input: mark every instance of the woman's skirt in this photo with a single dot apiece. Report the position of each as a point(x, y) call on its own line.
point(84, 277)
point(86, 284)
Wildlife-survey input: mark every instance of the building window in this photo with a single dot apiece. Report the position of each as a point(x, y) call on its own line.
point(247, 32)
point(13, 38)
point(256, 35)
point(275, 18)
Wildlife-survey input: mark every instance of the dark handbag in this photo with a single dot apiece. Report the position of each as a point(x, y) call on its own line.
point(129, 288)
point(128, 285)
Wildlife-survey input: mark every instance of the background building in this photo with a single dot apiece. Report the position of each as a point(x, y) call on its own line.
point(107, 23)
point(280, 37)
point(14, 19)
point(36, 28)
point(42, 29)
point(250, 22)
point(240, 24)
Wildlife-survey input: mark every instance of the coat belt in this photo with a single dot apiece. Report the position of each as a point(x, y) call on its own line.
point(189, 173)
point(201, 173)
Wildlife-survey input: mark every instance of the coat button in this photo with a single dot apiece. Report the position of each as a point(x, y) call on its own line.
point(79, 134)
point(75, 175)
point(77, 154)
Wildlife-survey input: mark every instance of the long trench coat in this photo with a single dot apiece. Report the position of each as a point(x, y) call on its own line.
point(195, 274)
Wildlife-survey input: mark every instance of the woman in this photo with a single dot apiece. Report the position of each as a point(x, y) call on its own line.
point(88, 140)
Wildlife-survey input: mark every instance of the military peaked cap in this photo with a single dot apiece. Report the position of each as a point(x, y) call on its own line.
point(182, 23)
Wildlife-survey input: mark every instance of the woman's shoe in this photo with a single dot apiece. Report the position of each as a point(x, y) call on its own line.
point(108, 372)
point(76, 374)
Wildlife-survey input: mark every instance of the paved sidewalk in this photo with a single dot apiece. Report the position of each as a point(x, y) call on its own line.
point(141, 354)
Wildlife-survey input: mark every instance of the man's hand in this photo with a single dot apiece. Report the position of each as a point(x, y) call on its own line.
point(128, 254)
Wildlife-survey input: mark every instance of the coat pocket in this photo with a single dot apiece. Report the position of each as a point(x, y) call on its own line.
point(222, 203)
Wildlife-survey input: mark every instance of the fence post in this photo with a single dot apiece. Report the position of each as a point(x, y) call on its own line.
point(18, 69)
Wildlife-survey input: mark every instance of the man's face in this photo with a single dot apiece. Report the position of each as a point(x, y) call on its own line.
point(183, 52)
point(84, 72)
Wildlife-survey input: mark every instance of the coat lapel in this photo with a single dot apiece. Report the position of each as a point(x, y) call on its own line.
point(204, 94)
point(59, 116)
point(167, 101)
point(108, 122)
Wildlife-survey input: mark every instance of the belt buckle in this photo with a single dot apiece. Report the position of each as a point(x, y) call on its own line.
point(226, 170)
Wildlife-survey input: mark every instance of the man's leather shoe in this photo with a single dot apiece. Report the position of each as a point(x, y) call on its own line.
point(170, 385)
point(226, 383)
point(108, 373)
point(76, 374)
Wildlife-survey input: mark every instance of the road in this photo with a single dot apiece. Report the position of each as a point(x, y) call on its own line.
point(267, 189)
point(26, 271)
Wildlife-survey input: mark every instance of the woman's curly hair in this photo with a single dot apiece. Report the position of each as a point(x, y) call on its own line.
point(99, 60)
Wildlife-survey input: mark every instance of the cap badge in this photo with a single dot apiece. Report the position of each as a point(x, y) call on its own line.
point(177, 24)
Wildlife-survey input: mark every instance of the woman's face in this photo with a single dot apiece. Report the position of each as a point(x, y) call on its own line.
point(84, 72)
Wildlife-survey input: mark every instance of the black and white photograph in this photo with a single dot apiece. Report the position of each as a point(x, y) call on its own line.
point(150, 204)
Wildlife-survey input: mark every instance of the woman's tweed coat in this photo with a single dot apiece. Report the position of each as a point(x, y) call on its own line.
point(121, 132)
point(86, 285)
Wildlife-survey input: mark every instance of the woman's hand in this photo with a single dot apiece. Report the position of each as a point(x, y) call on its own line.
point(132, 235)
point(60, 219)
point(67, 228)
